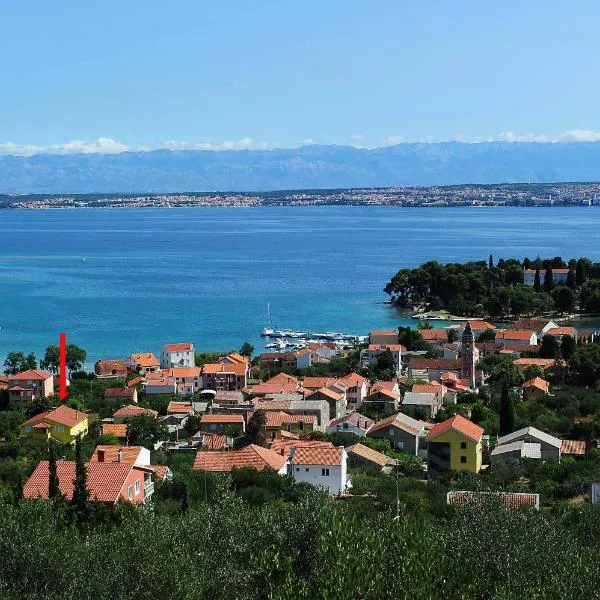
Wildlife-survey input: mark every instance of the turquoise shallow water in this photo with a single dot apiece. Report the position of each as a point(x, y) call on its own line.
point(206, 275)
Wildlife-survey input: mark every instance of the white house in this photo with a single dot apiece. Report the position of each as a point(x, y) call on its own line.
point(177, 355)
point(374, 351)
point(558, 276)
point(516, 337)
point(319, 466)
point(353, 422)
point(160, 386)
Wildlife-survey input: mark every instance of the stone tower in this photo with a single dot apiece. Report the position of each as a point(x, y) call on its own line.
point(467, 370)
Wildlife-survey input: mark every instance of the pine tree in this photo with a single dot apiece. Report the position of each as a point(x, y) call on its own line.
point(548, 279)
point(580, 273)
point(81, 494)
point(491, 262)
point(537, 284)
point(53, 482)
point(256, 430)
point(571, 279)
point(506, 411)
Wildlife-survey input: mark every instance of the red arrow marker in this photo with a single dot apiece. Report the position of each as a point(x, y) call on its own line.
point(62, 350)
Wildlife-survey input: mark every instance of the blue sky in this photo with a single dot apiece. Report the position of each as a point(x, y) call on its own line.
point(130, 74)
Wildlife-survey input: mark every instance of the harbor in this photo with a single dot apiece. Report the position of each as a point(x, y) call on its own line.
point(288, 339)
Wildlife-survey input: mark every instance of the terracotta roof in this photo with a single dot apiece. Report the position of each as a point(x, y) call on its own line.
point(427, 388)
point(353, 379)
point(179, 407)
point(384, 332)
point(383, 392)
point(318, 382)
point(19, 388)
point(576, 447)
point(283, 447)
point(131, 410)
point(325, 392)
point(562, 331)
point(283, 378)
point(160, 470)
point(32, 374)
point(144, 359)
point(382, 384)
point(479, 325)
point(508, 499)
point(63, 415)
point(434, 335)
point(212, 441)
point(434, 363)
point(250, 456)
point(289, 435)
point(42, 425)
point(235, 418)
point(128, 392)
point(370, 455)
point(236, 358)
point(538, 383)
point(117, 429)
point(275, 418)
point(533, 324)
point(384, 347)
point(179, 347)
point(354, 419)
point(104, 480)
point(459, 424)
point(182, 372)
point(129, 454)
point(401, 421)
point(316, 456)
point(514, 334)
point(109, 366)
point(213, 368)
point(545, 363)
point(261, 389)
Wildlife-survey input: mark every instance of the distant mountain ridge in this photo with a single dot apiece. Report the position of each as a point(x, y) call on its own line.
point(307, 167)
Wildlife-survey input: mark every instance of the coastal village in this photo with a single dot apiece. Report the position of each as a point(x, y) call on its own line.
point(418, 406)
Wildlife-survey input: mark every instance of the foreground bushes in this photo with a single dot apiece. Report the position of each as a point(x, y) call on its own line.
point(310, 549)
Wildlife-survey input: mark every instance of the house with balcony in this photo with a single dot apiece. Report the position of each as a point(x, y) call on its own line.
point(357, 389)
point(225, 376)
point(370, 356)
point(142, 363)
point(177, 355)
point(30, 385)
point(63, 424)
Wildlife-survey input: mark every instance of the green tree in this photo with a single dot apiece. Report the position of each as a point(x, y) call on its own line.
point(16, 362)
point(144, 430)
point(256, 431)
point(550, 348)
point(533, 371)
point(75, 358)
point(537, 283)
point(584, 368)
point(506, 411)
point(51, 360)
point(548, 279)
point(581, 271)
point(53, 482)
point(564, 299)
point(81, 494)
point(571, 279)
point(568, 345)
point(491, 262)
point(247, 349)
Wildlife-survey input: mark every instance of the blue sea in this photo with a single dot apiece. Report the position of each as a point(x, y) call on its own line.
point(128, 280)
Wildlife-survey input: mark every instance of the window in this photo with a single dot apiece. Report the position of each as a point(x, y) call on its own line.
point(463, 459)
point(324, 472)
point(307, 469)
point(130, 492)
point(297, 469)
point(59, 428)
point(400, 445)
point(27, 427)
point(463, 445)
point(137, 487)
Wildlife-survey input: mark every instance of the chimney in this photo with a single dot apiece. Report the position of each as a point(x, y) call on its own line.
point(119, 455)
point(100, 455)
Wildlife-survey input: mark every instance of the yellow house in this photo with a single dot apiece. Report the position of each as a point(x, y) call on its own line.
point(454, 444)
point(62, 424)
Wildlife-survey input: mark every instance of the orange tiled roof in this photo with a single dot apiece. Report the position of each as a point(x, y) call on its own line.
point(371, 455)
point(179, 347)
point(514, 334)
point(537, 382)
point(384, 332)
point(32, 374)
point(117, 429)
point(131, 410)
point(459, 424)
point(318, 382)
point(423, 388)
point(563, 331)
point(325, 392)
point(144, 360)
point(576, 447)
point(284, 446)
point(104, 480)
point(353, 379)
point(235, 418)
point(160, 471)
point(129, 454)
point(278, 418)
point(181, 372)
point(480, 325)
point(434, 335)
point(179, 407)
point(251, 456)
point(545, 363)
point(390, 347)
point(283, 378)
point(317, 456)
point(128, 392)
point(237, 358)
point(63, 415)
point(434, 363)
point(236, 368)
point(212, 441)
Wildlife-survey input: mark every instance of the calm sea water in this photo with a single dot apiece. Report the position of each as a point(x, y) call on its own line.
point(206, 275)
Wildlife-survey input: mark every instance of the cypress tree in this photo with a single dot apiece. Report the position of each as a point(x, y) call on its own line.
point(53, 483)
point(506, 411)
point(548, 279)
point(491, 262)
point(537, 284)
point(81, 494)
point(580, 273)
point(571, 279)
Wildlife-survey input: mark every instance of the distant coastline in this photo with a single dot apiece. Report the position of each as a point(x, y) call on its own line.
point(471, 195)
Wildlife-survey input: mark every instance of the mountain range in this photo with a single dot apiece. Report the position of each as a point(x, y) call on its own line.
point(306, 167)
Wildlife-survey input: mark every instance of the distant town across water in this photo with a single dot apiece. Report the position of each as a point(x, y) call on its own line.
point(117, 279)
point(507, 194)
